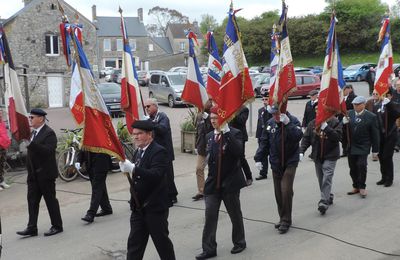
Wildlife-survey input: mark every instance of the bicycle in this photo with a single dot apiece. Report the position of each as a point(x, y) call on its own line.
point(68, 156)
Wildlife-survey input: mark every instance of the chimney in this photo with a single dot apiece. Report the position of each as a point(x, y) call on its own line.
point(140, 14)
point(94, 13)
point(26, 2)
point(195, 24)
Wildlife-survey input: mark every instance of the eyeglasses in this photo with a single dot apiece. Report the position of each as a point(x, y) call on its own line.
point(147, 106)
point(264, 99)
point(375, 94)
point(32, 117)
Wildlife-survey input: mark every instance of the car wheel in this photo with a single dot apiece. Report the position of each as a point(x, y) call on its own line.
point(171, 101)
point(358, 78)
point(151, 95)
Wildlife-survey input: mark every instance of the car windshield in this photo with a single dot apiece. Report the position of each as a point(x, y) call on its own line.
point(109, 88)
point(142, 74)
point(177, 79)
point(354, 67)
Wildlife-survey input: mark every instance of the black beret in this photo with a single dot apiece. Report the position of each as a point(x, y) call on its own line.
point(143, 125)
point(38, 112)
point(313, 92)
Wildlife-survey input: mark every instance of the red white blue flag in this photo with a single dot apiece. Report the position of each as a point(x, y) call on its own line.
point(274, 58)
point(285, 81)
point(236, 87)
point(131, 97)
point(17, 114)
point(214, 67)
point(330, 100)
point(194, 91)
point(384, 68)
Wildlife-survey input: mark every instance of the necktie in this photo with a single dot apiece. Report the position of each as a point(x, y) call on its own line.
point(34, 133)
point(139, 156)
point(217, 137)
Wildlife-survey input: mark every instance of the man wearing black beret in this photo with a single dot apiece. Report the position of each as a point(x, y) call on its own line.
point(42, 174)
point(149, 194)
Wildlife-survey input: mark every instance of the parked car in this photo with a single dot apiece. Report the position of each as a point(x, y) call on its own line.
point(257, 79)
point(304, 83)
point(178, 69)
point(143, 78)
point(111, 93)
point(106, 71)
point(167, 87)
point(301, 70)
point(115, 75)
point(317, 70)
point(357, 72)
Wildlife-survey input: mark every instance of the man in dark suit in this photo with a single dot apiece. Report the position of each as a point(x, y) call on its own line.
point(97, 165)
point(163, 136)
point(224, 181)
point(280, 140)
point(149, 194)
point(364, 133)
point(42, 174)
point(309, 110)
point(239, 122)
point(263, 117)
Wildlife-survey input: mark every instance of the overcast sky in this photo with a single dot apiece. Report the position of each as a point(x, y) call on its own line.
point(191, 8)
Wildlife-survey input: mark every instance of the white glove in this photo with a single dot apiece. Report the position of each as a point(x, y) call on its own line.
point(301, 156)
point(385, 101)
point(284, 119)
point(146, 117)
point(225, 129)
point(126, 166)
point(375, 155)
point(78, 166)
point(316, 100)
point(259, 166)
point(345, 120)
point(323, 125)
point(205, 115)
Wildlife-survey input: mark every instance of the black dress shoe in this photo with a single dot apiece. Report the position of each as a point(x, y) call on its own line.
point(388, 184)
point(237, 249)
point(381, 182)
point(277, 225)
point(53, 231)
point(103, 213)
point(28, 232)
point(88, 218)
point(205, 255)
point(197, 197)
point(174, 200)
point(283, 228)
point(261, 177)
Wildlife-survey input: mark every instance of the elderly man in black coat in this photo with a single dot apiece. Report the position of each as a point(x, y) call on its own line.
point(280, 140)
point(263, 117)
point(364, 134)
point(149, 194)
point(309, 110)
point(224, 181)
point(163, 136)
point(42, 174)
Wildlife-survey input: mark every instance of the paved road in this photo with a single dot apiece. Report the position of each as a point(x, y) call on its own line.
point(369, 223)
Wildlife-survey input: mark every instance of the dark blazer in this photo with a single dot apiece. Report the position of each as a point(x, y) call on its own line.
point(271, 143)
point(232, 177)
point(41, 158)
point(364, 133)
point(328, 149)
point(387, 121)
point(203, 127)
point(263, 117)
point(149, 178)
point(309, 113)
point(162, 133)
point(239, 122)
point(95, 162)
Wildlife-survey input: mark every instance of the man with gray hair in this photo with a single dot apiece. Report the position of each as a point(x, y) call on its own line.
point(364, 134)
point(163, 136)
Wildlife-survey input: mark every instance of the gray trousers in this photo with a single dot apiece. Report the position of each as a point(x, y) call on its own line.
point(232, 204)
point(325, 171)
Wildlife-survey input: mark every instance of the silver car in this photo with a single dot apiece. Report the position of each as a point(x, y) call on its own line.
point(167, 87)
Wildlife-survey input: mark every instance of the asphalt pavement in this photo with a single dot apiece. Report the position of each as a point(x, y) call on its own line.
point(352, 228)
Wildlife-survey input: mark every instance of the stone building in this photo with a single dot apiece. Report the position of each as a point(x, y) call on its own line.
point(35, 43)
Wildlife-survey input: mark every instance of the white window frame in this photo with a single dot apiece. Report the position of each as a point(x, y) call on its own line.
point(105, 42)
point(182, 46)
point(151, 47)
point(132, 44)
point(51, 43)
point(120, 45)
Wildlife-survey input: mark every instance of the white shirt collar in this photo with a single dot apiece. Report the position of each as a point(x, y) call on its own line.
point(38, 129)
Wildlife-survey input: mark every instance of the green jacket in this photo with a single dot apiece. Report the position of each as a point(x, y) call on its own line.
point(364, 133)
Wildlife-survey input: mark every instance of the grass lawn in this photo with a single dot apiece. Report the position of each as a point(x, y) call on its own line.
point(347, 59)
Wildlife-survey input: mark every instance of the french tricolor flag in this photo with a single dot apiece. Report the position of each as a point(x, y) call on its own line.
point(385, 63)
point(194, 91)
point(330, 100)
point(274, 57)
point(131, 97)
point(214, 67)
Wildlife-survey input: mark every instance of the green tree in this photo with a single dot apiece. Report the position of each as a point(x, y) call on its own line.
point(162, 18)
point(208, 22)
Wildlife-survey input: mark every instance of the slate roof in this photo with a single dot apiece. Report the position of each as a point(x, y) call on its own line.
point(164, 44)
point(178, 30)
point(110, 26)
